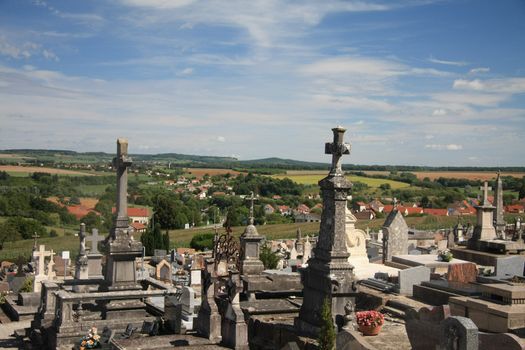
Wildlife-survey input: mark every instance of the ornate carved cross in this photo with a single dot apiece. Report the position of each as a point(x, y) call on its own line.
point(337, 149)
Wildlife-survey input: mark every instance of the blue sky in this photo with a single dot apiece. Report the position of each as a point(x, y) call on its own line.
point(414, 82)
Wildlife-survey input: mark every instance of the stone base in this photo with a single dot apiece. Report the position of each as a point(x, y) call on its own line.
point(363, 269)
point(252, 267)
point(497, 246)
point(125, 309)
point(478, 257)
point(428, 260)
point(489, 316)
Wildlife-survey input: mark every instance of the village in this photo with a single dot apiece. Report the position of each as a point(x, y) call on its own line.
point(393, 288)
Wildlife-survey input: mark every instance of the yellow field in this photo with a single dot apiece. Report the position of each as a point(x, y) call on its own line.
point(36, 169)
point(313, 179)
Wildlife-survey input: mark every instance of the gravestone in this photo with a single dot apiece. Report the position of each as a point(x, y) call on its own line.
point(94, 256)
point(81, 264)
point(484, 229)
point(458, 333)
point(464, 273)
point(395, 235)
point(499, 220)
point(123, 248)
point(329, 275)
point(251, 240)
point(39, 256)
point(512, 266)
point(409, 277)
point(163, 271)
point(442, 244)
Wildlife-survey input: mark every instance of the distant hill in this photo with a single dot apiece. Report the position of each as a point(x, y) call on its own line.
point(51, 157)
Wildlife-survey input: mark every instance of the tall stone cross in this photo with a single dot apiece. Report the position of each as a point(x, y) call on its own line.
point(337, 149)
point(94, 239)
point(252, 199)
point(122, 162)
point(41, 255)
point(485, 188)
point(35, 236)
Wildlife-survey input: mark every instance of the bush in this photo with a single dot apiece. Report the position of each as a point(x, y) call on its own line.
point(327, 332)
point(203, 241)
point(269, 259)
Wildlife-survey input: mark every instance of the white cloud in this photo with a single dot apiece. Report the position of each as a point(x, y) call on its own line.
point(50, 55)
point(479, 70)
point(221, 139)
point(501, 85)
point(186, 71)
point(439, 112)
point(475, 84)
point(449, 147)
point(447, 62)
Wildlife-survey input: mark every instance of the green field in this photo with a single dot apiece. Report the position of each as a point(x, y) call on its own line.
point(313, 179)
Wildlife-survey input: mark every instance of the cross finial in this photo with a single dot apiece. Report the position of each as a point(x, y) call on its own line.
point(485, 188)
point(395, 203)
point(337, 148)
point(252, 199)
point(35, 236)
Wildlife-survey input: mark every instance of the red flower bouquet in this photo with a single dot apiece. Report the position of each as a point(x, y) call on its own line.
point(369, 322)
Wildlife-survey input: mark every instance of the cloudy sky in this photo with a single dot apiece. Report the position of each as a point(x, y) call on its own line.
point(414, 82)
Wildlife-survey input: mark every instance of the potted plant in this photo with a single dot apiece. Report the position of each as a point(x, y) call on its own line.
point(91, 340)
point(445, 255)
point(369, 322)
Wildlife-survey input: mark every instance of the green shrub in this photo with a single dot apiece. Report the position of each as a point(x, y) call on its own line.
point(327, 332)
point(269, 259)
point(203, 241)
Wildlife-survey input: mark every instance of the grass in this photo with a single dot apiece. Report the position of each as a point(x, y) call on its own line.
point(92, 190)
point(312, 179)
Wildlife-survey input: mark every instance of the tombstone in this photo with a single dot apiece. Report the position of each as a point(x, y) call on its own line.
point(484, 229)
point(458, 333)
point(442, 244)
point(329, 274)
point(423, 326)
point(39, 256)
point(81, 264)
point(251, 240)
point(451, 240)
point(510, 266)
point(188, 303)
point(395, 235)
point(373, 253)
point(94, 257)
point(195, 272)
point(307, 252)
point(123, 249)
point(409, 277)
point(355, 242)
point(163, 271)
point(464, 273)
point(293, 254)
point(51, 274)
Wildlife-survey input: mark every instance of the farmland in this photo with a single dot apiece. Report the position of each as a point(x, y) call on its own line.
point(200, 172)
point(312, 179)
point(16, 170)
point(470, 175)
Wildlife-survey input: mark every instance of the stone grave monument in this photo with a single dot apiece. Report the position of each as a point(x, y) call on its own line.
point(251, 246)
point(329, 275)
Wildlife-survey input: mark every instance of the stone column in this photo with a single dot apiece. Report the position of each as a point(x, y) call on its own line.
point(329, 275)
point(121, 163)
point(499, 221)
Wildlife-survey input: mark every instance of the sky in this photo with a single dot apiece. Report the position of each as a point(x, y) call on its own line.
point(413, 82)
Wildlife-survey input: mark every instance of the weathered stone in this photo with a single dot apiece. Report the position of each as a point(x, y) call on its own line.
point(458, 333)
point(329, 275)
point(409, 277)
point(395, 236)
point(511, 265)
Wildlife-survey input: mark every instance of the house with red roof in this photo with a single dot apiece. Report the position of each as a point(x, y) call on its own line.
point(139, 227)
point(141, 215)
point(515, 209)
point(435, 211)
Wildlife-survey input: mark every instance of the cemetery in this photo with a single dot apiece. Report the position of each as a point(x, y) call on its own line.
point(464, 291)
